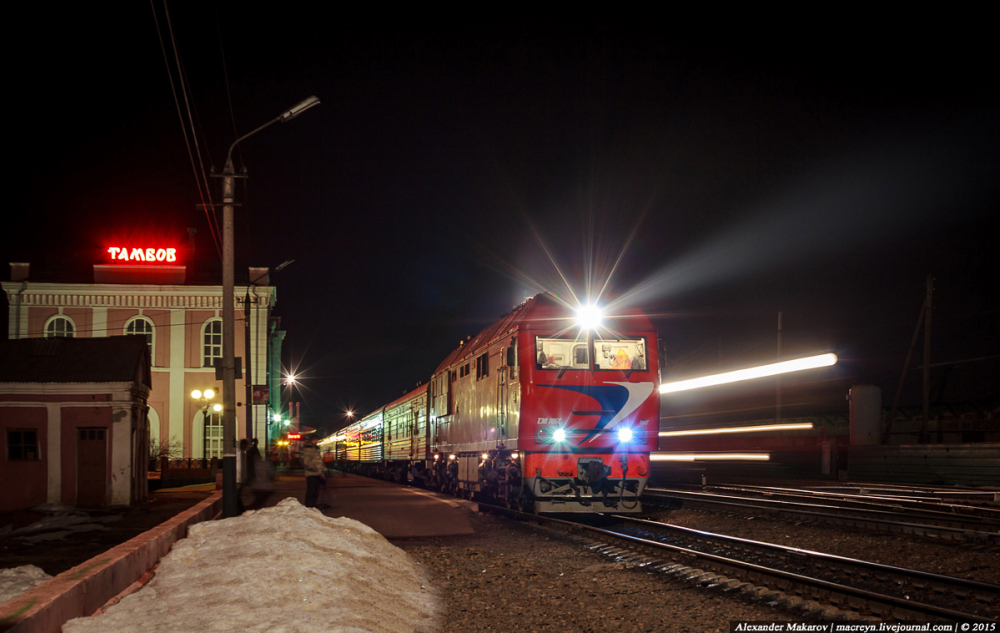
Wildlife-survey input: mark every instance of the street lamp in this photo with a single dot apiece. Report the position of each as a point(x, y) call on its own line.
point(230, 507)
point(205, 399)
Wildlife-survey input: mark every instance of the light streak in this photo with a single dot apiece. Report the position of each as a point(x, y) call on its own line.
point(739, 429)
point(799, 364)
point(698, 457)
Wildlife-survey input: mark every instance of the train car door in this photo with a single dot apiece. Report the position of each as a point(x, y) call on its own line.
point(501, 403)
point(413, 413)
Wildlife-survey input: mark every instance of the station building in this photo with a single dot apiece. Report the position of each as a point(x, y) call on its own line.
point(146, 292)
point(73, 425)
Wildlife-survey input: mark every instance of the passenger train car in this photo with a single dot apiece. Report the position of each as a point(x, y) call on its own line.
point(535, 411)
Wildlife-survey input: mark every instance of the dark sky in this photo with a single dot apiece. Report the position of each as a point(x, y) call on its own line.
point(452, 162)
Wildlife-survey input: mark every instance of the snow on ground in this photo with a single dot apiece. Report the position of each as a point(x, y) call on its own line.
point(286, 568)
point(16, 580)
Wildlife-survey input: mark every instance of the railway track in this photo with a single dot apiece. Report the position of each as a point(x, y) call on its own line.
point(812, 585)
point(971, 524)
point(932, 502)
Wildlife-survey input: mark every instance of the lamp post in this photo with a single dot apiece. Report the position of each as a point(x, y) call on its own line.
point(205, 398)
point(230, 506)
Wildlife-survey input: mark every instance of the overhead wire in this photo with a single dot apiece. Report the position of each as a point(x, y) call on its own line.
point(201, 180)
point(236, 134)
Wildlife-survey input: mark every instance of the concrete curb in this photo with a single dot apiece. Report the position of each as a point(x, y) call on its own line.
point(87, 587)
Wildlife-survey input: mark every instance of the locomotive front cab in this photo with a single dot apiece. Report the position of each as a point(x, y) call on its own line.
point(590, 417)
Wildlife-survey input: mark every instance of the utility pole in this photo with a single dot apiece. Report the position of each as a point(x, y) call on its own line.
point(230, 507)
point(928, 308)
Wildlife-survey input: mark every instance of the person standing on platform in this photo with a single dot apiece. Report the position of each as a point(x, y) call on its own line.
point(312, 463)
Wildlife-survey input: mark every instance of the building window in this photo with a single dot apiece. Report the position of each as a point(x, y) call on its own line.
point(212, 343)
point(22, 445)
point(213, 436)
point(60, 327)
point(144, 327)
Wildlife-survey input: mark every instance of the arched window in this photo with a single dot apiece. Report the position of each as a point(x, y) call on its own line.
point(60, 326)
point(142, 325)
point(211, 343)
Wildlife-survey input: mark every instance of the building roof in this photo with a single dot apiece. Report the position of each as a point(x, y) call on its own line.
point(98, 359)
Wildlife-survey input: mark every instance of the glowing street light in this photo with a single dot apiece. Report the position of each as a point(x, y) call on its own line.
point(204, 398)
point(812, 362)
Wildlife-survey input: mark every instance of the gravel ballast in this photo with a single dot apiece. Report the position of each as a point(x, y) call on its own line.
point(518, 577)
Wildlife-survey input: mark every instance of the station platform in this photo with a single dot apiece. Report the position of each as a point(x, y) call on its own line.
point(396, 512)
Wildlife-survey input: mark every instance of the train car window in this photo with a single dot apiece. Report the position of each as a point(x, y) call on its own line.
point(621, 354)
point(483, 366)
point(556, 353)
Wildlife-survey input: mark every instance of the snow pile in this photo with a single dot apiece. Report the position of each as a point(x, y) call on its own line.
point(286, 568)
point(17, 580)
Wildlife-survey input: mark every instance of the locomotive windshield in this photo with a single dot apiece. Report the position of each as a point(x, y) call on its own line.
point(613, 354)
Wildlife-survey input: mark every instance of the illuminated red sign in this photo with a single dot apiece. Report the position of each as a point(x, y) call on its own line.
point(143, 254)
point(295, 436)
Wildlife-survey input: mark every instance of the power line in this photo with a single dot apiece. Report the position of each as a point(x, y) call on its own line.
point(202, 178)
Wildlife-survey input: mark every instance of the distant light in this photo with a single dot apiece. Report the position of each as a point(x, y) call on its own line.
point(217, 407)
point(436, 457)
point(514, 455)
point(287, 422)
point(485, 456)
point(350, 413)
point(589, 317)
point(559, 435)
point(451, 457)
point(698, 457)
point(290, 379)
point(196, 394)
point(209, 394)
point(739, 429)
point(823, 360)
point(624, 435)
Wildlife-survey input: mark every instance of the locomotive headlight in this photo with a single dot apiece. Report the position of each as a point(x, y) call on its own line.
point(559, 435)
point(589, 317)
point(624, 435)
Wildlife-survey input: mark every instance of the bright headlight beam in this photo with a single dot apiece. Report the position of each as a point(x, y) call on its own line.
point(811, 362)
point(559, 435)
point(625, 435)
point(589, 317)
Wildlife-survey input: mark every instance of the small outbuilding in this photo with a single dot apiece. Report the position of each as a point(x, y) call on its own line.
point(73, 421)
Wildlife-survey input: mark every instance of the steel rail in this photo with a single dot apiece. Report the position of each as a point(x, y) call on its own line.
point(847, 516)
point(964, 583)
point(933, 507)
point(834, 593)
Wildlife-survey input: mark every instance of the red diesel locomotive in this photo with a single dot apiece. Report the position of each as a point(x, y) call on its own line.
point(538, 411)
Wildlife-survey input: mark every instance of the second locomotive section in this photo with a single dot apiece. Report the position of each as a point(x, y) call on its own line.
point(533, 412)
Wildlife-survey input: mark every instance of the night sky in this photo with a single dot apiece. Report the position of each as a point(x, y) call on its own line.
point(455, 166)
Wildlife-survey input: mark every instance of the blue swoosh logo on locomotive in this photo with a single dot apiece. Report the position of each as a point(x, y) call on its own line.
point(617, 400)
